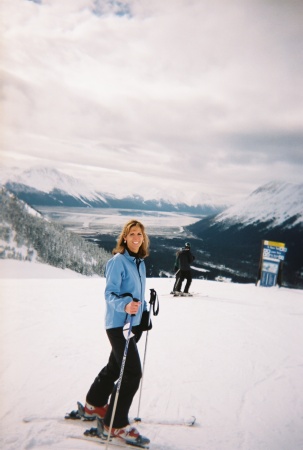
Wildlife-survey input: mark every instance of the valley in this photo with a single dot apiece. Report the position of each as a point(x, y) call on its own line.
point(168, 231)
point(87, 221)
point(226, 244)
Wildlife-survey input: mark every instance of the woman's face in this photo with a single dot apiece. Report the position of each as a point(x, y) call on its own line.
point(134, 239)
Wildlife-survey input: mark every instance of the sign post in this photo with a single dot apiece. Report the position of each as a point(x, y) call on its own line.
point(271, 263)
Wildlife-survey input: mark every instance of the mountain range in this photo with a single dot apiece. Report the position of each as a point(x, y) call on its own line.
point(234, 237)
point(50, 187)
point(226, 243)
point(275, 203)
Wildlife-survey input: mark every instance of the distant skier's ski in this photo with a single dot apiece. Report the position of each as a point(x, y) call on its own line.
point(182, 294)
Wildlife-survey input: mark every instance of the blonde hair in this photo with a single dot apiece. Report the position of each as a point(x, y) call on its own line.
point(121, 245)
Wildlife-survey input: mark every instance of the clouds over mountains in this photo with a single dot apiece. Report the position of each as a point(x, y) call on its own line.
point(203, 96)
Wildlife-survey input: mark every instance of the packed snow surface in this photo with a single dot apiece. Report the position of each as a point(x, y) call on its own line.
point(232, 356)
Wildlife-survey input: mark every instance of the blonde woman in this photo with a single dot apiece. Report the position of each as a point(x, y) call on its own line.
point(125, 296)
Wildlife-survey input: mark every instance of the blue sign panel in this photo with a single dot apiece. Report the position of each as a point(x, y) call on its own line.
point(269, 273)
point(272, 257)
point(274, 252)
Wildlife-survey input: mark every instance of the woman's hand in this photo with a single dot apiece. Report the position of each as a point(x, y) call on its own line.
point(132, 307)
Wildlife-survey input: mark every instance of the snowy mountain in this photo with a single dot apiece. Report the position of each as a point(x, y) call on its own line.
point(275, 203)
point(46, 181)
point(226, 244)
point(233, 238)
point(49, 187)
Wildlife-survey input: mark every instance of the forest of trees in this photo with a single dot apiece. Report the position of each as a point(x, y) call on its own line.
point(21, 227)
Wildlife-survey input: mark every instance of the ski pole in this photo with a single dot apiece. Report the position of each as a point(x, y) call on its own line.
point(120, 377)
point(152, 302)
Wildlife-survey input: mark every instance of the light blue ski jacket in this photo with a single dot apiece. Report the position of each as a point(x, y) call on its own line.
point(124, 276)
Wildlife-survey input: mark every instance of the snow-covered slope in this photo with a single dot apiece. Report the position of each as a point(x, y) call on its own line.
point(275, 202)
point(27, 207)
point(46, 180)
point(231, 355)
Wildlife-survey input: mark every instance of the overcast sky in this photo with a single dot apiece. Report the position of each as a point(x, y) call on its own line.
point(191, 98)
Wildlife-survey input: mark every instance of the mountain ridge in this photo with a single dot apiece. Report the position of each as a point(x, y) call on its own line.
point(273, 212)
point(275, 202)
point(49, 187)
point(222, 247)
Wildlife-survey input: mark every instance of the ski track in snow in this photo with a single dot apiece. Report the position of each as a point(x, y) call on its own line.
point(231, 355)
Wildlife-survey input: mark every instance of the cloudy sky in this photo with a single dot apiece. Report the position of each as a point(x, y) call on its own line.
point(193, 98)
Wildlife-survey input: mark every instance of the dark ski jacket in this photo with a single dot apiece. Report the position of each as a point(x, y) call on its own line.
point(184, 259)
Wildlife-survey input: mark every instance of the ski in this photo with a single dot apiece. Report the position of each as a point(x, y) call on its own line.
point(182, 294)
point(113, 444)
point(78, 414)
point(30, 419)
point(78, 417)
point(190, 422)
point(99, 435)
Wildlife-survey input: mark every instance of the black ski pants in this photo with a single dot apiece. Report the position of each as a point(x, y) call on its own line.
point(104, 385)
point(183, 275)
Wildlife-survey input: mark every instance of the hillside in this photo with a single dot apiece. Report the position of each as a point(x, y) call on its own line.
point(26, 235)
point(234, 237)
point(278, 204)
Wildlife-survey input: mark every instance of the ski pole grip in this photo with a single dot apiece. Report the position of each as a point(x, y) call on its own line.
point(134, 300)
point(154, 302)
